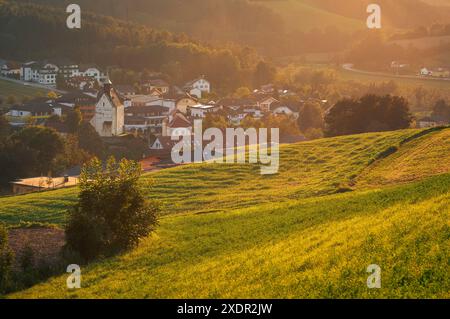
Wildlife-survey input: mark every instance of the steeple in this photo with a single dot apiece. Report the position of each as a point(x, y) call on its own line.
point(107, 87)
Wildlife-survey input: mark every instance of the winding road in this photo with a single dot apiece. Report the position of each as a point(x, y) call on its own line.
point(349, 67)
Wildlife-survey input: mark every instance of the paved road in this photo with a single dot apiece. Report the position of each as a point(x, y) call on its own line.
point(349, 67)
point(31, 84)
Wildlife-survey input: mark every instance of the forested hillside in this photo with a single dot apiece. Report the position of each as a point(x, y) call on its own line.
point(257, 24)
point(36, 32)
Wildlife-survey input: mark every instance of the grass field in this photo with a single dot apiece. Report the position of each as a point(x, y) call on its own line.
point(229, 232)
point(19, 91)
point(424, 156)
point(308, 169)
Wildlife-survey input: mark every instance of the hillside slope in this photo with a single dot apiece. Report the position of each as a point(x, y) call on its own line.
point(230, 233)
point(316, 248)
point(307, 169)
point(303, 16)
point(425, 156)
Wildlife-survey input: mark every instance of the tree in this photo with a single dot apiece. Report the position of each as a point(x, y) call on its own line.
point(73, 120)
point(215, 121)
point(371, 113)
point(52, 95)
point(441, 111)
point(242, 92)
point(90, 141)
point(6, 259)
point(311, 117)
point(38, 147)
point(264, 73)
point(286, 124)
point(5, 128)
point(112, 213)
point(71, 155)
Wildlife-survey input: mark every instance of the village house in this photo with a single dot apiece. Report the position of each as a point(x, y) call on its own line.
point(265, 103)
point(291, 109)
point(40, 72)
point(109, 118)
point(83, 100)
point(37, 184)
point(10, 70)
point(161, 144)
point(425, 72)
point(200, 110)
point(92, 71)
point(177, 124)
point(30, 109)
point(436, 73)
point(182, 104)
point(198, 87)
point(150, 100)
point(66, 68)
point(126, 90)
point(145, 119)
point(155, 84)
point(81, 82)
point(428, 122)
point(235, 116)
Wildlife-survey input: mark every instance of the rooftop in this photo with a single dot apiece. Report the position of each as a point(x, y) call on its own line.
point(46, 183)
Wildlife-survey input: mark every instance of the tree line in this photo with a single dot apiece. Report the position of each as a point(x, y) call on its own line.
point(36, 32)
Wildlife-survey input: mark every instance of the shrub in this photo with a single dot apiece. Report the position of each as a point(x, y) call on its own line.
point(6, 259)
point(112, 213)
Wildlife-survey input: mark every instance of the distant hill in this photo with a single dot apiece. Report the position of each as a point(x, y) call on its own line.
point(29, 31)
point(398, 13)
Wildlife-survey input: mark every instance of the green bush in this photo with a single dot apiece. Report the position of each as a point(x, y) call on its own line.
point(6, 259)
point(112, 213)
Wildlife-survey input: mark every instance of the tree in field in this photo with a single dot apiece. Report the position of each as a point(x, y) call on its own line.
point(73, 120)
point(371, 113)
point(6, 259)
point(90, 141)
point(311, 117)
point(441, 111)
point(112, 213)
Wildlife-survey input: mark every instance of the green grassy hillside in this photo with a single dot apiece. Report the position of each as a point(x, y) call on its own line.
point(19, 91)
point(303, 249)
point(308, 169)
point(230, 232)
point(425, 156)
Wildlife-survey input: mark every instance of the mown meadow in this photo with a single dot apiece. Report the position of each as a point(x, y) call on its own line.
point(310, 231)
point(307, 169)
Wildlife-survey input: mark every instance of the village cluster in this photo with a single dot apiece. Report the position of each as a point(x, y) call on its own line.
point(156, 110)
